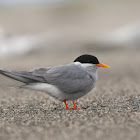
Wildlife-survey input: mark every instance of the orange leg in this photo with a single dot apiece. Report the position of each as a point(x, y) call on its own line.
point(74, 106)
point(66, 105)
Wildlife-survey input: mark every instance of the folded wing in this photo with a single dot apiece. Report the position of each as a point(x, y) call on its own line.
point(69, 79)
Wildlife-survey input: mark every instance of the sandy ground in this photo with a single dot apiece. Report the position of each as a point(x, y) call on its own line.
point(110, 111)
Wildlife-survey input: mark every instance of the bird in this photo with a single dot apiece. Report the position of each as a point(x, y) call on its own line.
point(63, 82)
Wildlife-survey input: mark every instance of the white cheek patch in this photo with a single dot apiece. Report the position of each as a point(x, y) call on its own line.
point(87, 65)
point(84, 65)
point(77, 63)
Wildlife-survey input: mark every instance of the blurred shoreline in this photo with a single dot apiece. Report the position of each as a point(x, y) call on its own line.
point(80, 25)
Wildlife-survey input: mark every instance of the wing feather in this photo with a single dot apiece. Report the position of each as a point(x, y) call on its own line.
point(70, 78)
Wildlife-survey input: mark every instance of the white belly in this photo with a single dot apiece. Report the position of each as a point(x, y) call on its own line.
point(54, 92)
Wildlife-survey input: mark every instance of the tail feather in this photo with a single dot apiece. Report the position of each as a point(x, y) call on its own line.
point(17, 77)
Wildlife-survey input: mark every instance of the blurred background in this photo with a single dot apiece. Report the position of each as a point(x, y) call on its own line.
point(56, 26)
point(44, 33)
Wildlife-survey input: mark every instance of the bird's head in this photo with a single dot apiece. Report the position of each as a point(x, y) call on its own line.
point(90, 59)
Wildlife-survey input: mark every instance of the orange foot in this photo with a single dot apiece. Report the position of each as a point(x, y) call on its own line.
point(74, 106)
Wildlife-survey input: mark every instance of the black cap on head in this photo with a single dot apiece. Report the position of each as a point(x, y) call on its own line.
point(86, 58)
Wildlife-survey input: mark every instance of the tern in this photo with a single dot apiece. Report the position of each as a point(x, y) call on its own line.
point(63, 82)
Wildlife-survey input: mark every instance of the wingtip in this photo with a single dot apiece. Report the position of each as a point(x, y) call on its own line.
point(3, 70)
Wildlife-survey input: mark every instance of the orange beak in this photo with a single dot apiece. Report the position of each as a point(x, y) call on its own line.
point(102, 65)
